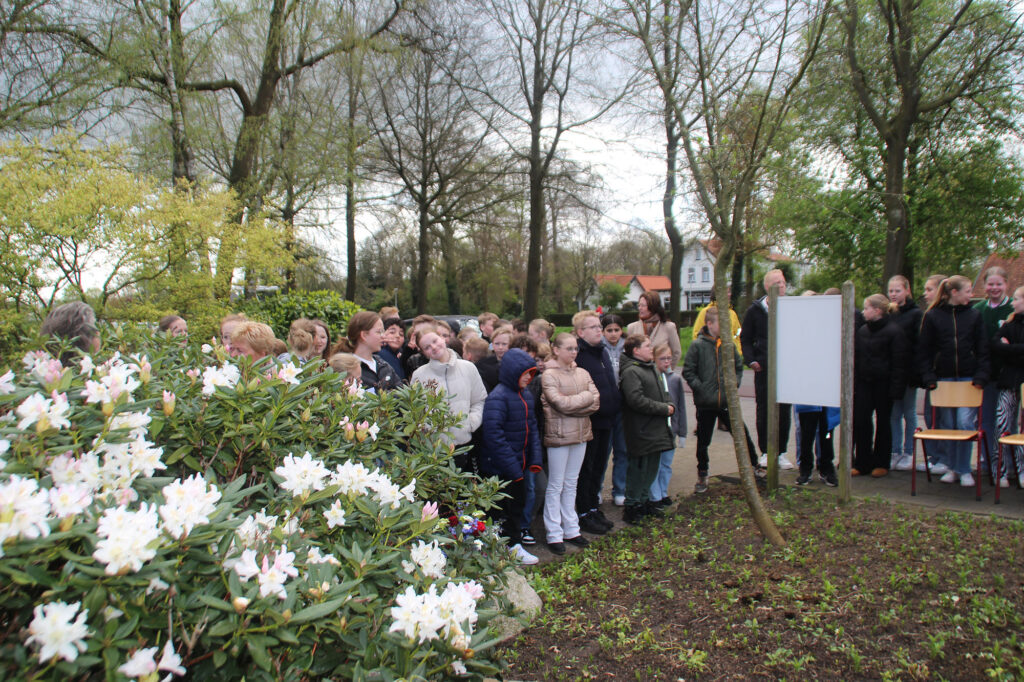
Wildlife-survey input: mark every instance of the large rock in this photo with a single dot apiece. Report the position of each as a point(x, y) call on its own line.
point(526, 602)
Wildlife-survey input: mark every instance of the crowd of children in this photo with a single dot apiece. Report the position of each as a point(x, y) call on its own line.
point(529, 403)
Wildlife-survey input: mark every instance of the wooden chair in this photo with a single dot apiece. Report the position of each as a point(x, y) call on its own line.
point(951, 394)
point(1011, 439)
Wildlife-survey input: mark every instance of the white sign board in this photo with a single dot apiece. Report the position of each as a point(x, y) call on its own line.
point(809, 350)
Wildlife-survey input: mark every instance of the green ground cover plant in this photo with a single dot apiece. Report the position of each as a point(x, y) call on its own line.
point(870, 590)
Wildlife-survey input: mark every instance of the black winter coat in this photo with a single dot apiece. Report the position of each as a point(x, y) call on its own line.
point(488, 368)
point(952, 344)
point(645, 403)
point(1010, 354)
point(598, 363)
point(881, 356)
point(908, 318)
point(754, 335)
point(385, 378)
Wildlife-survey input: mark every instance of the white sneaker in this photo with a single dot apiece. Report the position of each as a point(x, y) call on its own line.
point(524, 557)
point(763, 460)
point(937, 468)
point(966, 480)
point(784, 463)
point(1004, 482)
point(904, 463)
point(1020, 481)
point(619, 500)
point(951, 477)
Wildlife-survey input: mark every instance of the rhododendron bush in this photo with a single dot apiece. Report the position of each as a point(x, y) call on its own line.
point(167, 511)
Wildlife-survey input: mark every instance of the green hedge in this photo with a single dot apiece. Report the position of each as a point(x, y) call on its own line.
point(280, 310)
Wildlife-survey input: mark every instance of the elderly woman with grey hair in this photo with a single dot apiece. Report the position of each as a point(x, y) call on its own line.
point(75, 322)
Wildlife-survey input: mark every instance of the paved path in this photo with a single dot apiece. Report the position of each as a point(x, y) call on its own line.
point(722, 468)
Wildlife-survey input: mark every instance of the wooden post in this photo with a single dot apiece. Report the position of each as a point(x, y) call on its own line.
point(846, 397)
point(773, 405)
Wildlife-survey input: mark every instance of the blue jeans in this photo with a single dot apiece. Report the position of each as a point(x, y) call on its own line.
point(964, 418)
point(904, 422)
point(659, 487)
point(620, 460)
point(938, 451)
point(529, 484)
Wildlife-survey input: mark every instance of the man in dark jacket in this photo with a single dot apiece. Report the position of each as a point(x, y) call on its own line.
point(512, 442)
point(754, 339)
point(703, 371)
point(595, 359)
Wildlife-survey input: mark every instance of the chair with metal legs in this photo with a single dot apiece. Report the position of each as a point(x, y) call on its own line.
point(951, 394)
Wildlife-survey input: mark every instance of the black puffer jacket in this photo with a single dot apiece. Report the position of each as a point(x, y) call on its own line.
point(881, 355)
point(908, 318)
point(597, 361)
point(952, 344)
point(645, 406)
point(1011, 353)
point(754, 335)
point(384, 379)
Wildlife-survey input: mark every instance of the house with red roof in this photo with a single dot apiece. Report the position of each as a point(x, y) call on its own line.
point(636, 284)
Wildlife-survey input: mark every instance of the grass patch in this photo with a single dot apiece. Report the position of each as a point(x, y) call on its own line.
point(870, 590)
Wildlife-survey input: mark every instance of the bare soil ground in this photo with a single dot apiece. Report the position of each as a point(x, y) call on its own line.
point(870, 590)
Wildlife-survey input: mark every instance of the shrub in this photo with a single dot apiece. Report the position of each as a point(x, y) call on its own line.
point(280, 310)
point(165, 510)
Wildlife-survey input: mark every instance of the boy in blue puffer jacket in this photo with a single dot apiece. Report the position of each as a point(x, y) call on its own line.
point(511, 442)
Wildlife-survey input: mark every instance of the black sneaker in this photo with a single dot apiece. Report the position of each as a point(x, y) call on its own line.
point(527, 538)
point(803, 479)
point(590, 524)
point(633, 515)
point(702, 485)
point(579, 541)
point(608, 524)
point(653, 509)
point(830, 480)
point(557, 548)
point(663, 502)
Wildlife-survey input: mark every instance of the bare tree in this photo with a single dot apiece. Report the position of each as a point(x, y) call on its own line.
point(536, 63)
point(741, 62)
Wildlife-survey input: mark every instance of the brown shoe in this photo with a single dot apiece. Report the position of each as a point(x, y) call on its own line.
point(879, 472)
point(854, 472)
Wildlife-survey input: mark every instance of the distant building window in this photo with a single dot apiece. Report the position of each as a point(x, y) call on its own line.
point(691, 275)
point(700, 254)
point(705, 275)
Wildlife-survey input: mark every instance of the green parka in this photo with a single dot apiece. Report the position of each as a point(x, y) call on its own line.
point(703, 371)
point(645, 404)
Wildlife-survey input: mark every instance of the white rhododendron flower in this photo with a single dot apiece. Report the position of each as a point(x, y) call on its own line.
point(7, 382)
point(141, 663)
point(335, 515)
point(302, 475)
point(69, 500)
point(313, 556)
point(24, 510)
point(289, 373)
point(385, 492)
point(137, 423)
point(273, 576)
point(48, 371)
point(57, 631)
point(428, 557)
point(81, 471)
point(33, 357)
point(87, 366)
point(417, 615)
point(206, 348)
point(51, 412)
point(144, 457)
point(246, 566)
point(170, 661)
point(189, 504)
point(351, 478)
point(227, 375)
point(128, 538)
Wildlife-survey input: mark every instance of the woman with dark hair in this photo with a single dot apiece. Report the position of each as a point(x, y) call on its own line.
point(655, 325)
point(74, 322)
point(363, 339)
point(322, 340)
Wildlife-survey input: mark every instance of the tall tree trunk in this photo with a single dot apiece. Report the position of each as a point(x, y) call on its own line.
point(422, 257)
point(531, 297)
point(723, 265)
point(350, 183)
point(668, 201)
point(451, 274)
point(897, 235)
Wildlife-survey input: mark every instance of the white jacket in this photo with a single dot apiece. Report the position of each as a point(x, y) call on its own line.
point(460, 383)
